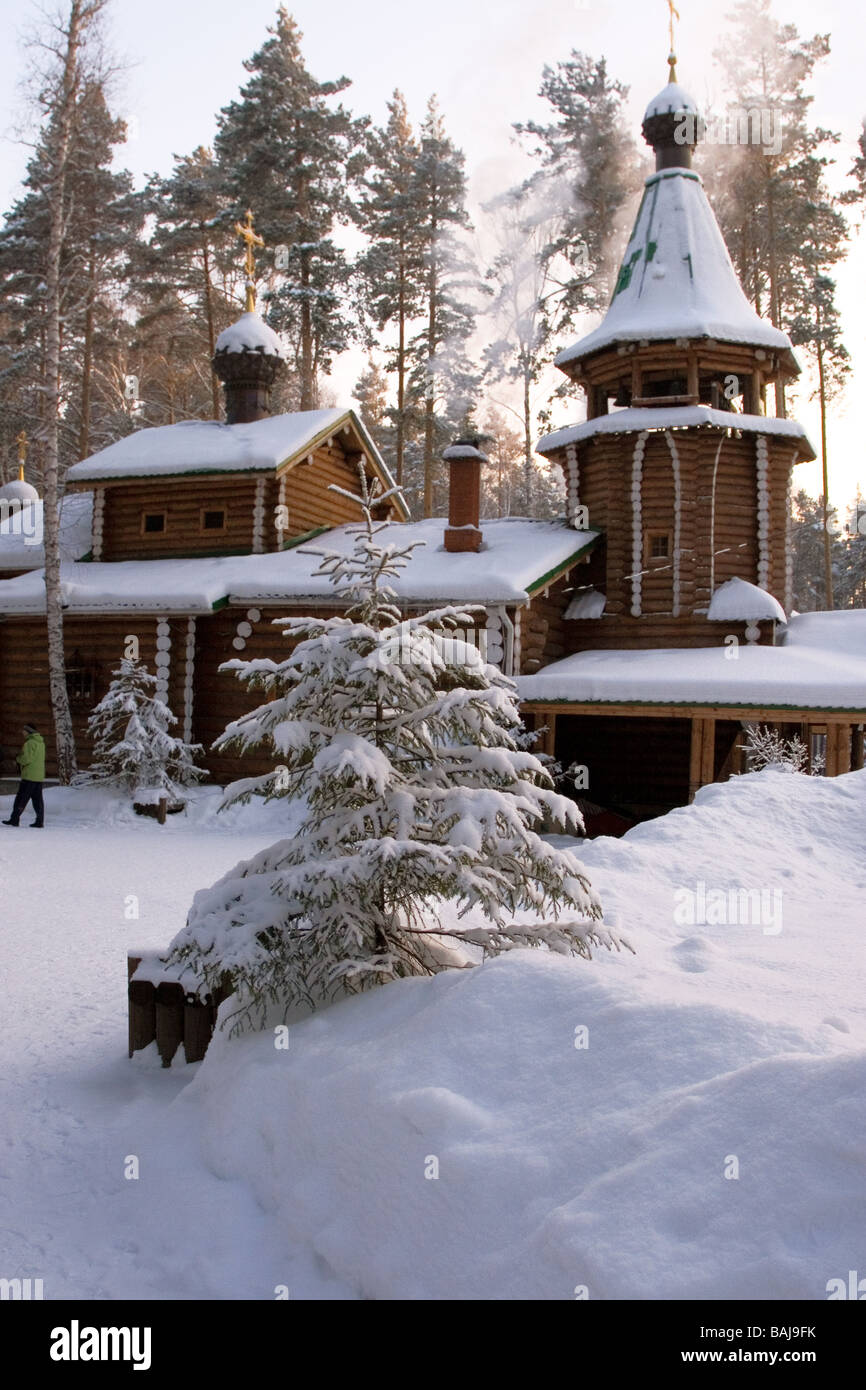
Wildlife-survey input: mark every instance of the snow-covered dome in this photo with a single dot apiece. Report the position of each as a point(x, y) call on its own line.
point(672, 98)
point(737, 601)
point(250, 334)
point(18, 491)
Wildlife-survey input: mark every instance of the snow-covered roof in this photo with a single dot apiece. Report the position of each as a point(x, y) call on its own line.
point(588, 603)
point(250, 334)
point(207, 446)
point(674, 98)
point(739, 601)
point(21, 534)
point(673, 417)
point(455, 452)
point(784, 677)
point(677, 279)
point(841, 632)
point(518, 556)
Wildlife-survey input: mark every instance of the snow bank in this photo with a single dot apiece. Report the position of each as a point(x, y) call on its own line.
point(462, 1137)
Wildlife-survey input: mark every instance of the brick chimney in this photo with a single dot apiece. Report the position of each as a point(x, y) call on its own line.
point(464, 459)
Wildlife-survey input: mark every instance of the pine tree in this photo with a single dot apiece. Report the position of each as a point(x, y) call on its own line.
point(807, 545)
point(392, 268)
point(371, 393)
point(191, 253)
point(286, 152)
point(442, 375)
point(133, 747)
point(588, 170)
point(102, 219)
point(404, 746)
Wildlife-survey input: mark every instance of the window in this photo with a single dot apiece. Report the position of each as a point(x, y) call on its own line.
point(213, 519)
point(657, 545)
point(152, 523)
point(80, 682)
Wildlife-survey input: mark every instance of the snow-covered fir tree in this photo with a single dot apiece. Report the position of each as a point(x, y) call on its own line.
point(133, 746)
point(419, 806)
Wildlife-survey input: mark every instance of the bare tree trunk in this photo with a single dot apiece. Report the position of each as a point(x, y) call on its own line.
point(308, 395)
point(401, 378)
point(87, 363)
point(527, 442)
point(828, 539)
point(211, 332)
point(430, 402)
point(61, 114)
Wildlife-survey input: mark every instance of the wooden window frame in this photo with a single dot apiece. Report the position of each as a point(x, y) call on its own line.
point(653, 533)
point(164, 529)
point(213, 530)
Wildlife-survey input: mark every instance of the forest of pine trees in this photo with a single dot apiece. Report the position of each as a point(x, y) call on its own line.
point(112, 296)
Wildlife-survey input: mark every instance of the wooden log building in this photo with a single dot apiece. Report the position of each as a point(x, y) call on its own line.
point(646, 629)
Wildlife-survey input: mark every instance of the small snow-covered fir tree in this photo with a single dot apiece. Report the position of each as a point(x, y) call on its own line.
point(419, 805)
point(133, 747)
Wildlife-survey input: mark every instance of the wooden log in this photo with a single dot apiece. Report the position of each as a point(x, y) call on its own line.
point(170, 1003)
point(198, 1025)
point(142, 1015)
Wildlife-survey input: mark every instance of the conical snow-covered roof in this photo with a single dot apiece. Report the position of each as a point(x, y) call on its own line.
point(677, 279)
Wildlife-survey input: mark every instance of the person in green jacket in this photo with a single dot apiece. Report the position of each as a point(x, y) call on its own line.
point(31, 761)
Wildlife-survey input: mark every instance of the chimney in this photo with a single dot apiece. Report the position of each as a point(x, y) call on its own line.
point(464, 459)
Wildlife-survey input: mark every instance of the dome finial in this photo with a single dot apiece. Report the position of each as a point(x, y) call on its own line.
point(246, 233)
point(672, 56)
point(21, 441)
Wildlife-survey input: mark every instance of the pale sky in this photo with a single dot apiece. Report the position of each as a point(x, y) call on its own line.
point(484, 60)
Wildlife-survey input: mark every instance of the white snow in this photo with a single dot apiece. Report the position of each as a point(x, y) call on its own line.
point(250, 334)
point(463, 451)
point(841, 632)
point(516, 554)
point(673, 97)
point(786, 676)
point(21, 535)
point(559, 1165)
point(18, 491)
point(636, 420)
point(739, 601)
point(681, 282)
point(207, 446)
point(588, 603)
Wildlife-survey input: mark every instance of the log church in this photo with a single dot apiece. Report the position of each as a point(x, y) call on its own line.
point(646, 629)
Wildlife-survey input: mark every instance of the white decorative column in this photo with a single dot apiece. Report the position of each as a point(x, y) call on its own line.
point(163, 658)
point(763, 464)
point(188, 681)
point(678, 520)
point(259, 517)
point(98, 522)
point(572, 483)
point(637, 523)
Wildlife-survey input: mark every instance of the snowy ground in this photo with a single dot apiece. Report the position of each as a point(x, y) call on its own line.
point(717, 1048)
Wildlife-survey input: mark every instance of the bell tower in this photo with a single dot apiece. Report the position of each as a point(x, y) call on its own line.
point(679, 461)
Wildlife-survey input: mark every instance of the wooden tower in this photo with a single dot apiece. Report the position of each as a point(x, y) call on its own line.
point(679, 462)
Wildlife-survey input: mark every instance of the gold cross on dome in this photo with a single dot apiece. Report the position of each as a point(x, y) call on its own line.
point(247, 234)
point(21, 441)
point(672, 58)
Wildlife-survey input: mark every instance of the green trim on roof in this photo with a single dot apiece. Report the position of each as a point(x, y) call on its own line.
point(548, 578)
point(307, 536)
point(218, 604)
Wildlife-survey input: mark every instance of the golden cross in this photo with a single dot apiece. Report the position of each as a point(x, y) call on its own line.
point(21, 441)
point(246, 233)
point(672, 59)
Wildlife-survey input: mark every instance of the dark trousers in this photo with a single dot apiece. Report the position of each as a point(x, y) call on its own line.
point(28, 791)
